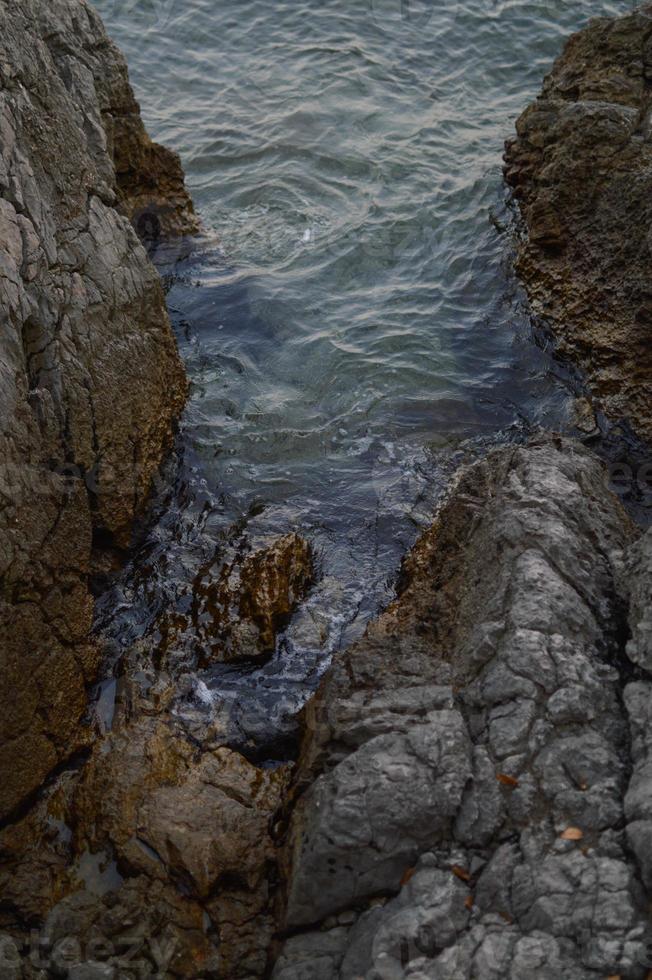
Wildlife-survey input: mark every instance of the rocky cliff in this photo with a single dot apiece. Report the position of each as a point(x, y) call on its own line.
point(464, 804)
point(473, 796)
point(90, 378)
point(581, 170)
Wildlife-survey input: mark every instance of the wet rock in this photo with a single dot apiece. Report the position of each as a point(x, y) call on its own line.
point(168, 856)
point(449, 751)
point(169, 810)
point(580, 169)
point(239, 616)
point(146, 177)
point(155, 857)
point(90, 378)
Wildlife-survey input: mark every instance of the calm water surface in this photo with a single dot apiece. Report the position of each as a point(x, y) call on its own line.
point(357, 323)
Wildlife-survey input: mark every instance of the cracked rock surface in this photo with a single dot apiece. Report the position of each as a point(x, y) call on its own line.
point(90, 378)
point(462, 805)
point(473, 795)
point(581, 170)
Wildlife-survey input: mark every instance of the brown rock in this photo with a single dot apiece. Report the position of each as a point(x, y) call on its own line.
point(147, 177)
point(584, 416)
point(581, 168)
point(199, 821)
point(239, 616)
point(154, 842)
point(90, 377)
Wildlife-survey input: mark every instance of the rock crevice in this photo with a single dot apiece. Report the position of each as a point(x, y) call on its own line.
point(473, 794)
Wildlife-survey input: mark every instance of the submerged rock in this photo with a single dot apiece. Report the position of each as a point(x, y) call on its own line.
point(90, 378)
point(581, 170)
point(239, 615)
point(461, 790)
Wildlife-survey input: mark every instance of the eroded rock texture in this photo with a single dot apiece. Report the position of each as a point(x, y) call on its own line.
point(460, 802)
point(90, 378)
point(581, 169)
point(473, 796)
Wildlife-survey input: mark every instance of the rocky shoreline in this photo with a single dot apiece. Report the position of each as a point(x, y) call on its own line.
point(472, 796)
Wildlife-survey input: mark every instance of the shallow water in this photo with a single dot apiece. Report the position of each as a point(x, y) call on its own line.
point(357, 327)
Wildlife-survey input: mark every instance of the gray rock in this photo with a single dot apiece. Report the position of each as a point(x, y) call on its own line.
point(448, 835)
point(580, 170)
point(366, 821)
point(638, 571)
point(638, 800)
point(312, 956)
point(636, 583)
point(92, 970)
point(11, 961)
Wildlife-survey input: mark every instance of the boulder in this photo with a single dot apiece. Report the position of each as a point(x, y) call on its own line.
point(239, 614)
point(236, 605)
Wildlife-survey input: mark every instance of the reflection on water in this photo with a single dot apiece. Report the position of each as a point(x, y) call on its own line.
point(356, 329)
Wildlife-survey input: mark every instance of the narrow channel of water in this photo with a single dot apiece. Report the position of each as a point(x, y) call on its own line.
point(357, 329)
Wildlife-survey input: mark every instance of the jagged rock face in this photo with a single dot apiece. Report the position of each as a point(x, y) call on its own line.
point(90, 378)
point(581, 170)
point(469, 757)
point(473, 796)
